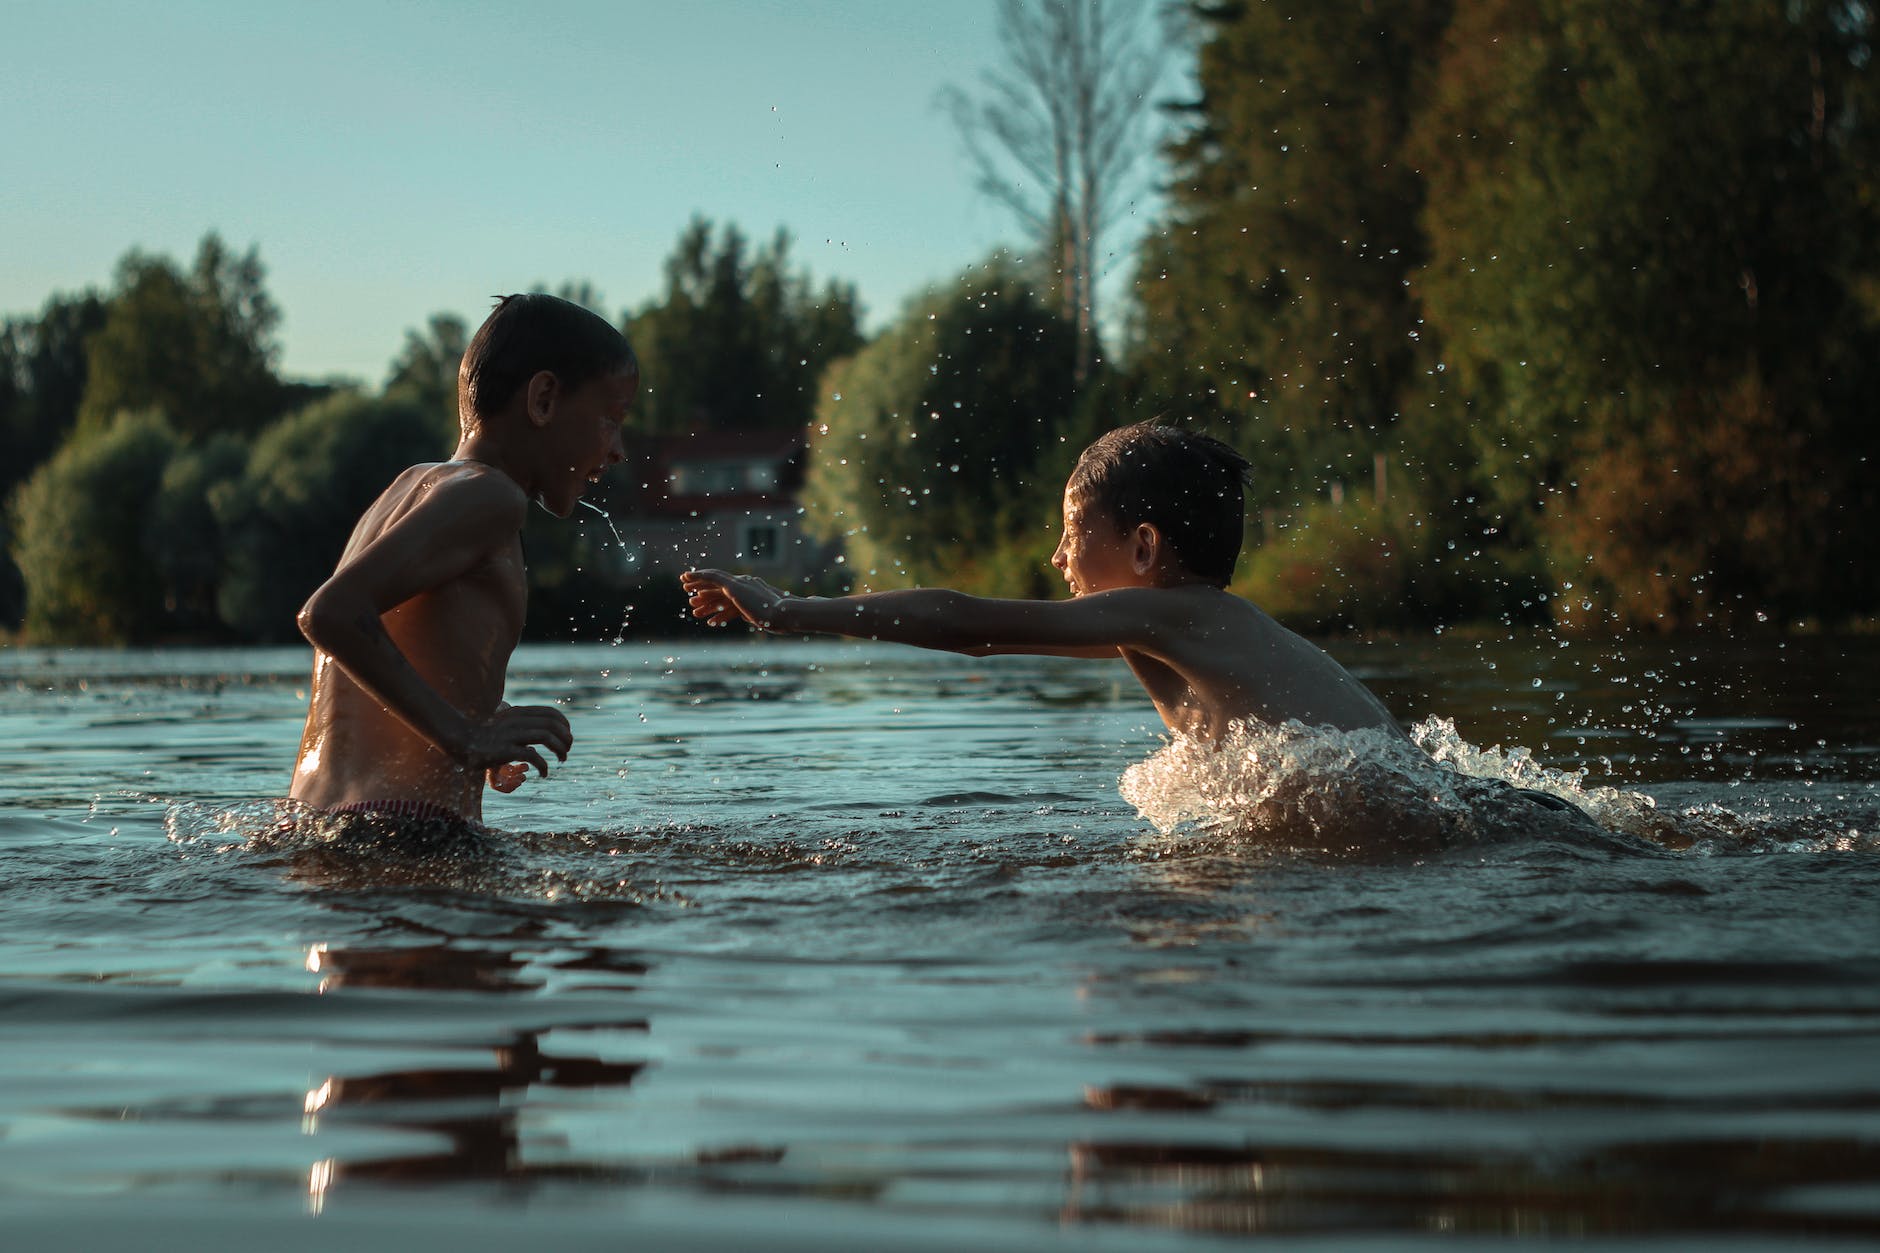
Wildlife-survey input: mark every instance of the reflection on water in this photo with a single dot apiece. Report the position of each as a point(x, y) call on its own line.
point(863, 949)
point(475, 1112)
point(1533, 1125)
point(470, 1108)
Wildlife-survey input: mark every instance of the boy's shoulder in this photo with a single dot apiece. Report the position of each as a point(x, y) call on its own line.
point(462, 486)
point(1172, 615)
point(447, 497)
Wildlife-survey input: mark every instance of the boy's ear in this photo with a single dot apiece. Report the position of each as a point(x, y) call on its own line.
point(1145, 547)
point(542, 391)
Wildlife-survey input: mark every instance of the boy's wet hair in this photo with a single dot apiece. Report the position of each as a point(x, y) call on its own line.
point(1188, 485)
point(528, 333)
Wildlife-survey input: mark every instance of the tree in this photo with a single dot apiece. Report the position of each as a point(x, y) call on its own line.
point(308, 479)
point(1650, 230)
point(197, 346)
point(740, 338)
point(42, 377)
point(425, 372)
point(1273, 300)
point(938, 440)
point(79, 526)
point(42, 374)
point(1059, 128)
point(185, 539)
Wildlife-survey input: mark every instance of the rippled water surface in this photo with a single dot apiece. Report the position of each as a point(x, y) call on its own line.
point(829, 946)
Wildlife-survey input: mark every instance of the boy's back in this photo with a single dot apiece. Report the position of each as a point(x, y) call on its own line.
point(1210, 659)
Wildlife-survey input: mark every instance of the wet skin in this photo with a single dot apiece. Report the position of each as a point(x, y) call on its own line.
point(414, 630)
point(1206, 657)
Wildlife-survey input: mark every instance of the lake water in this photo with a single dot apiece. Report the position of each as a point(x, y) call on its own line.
point(822, 946)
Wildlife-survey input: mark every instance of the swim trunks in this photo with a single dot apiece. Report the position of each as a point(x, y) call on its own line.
point(409, 811)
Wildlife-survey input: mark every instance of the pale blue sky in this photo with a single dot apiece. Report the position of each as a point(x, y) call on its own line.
point(398, 158)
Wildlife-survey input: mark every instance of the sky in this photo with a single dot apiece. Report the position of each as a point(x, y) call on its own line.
point(401, 158)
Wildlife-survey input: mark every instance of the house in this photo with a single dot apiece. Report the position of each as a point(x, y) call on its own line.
point(726, 499)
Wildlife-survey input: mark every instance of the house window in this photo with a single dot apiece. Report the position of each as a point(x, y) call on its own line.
point(722, 478)
point(760, 541)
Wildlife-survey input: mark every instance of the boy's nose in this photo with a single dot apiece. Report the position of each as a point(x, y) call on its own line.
point(1058, 558)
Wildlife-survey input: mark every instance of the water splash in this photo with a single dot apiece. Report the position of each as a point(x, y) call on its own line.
point(606, 517)
point(354, 852)
point(627, 614)
point(1633, 813)
point(1369, 792)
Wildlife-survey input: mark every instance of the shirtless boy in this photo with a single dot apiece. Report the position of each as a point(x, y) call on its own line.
point(412, 633)
point(1153, 518)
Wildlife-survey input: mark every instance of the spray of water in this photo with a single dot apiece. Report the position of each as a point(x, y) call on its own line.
point(1367, 791)
point(621, 634)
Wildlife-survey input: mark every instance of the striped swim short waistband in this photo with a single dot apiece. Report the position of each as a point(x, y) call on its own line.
point(413, 811)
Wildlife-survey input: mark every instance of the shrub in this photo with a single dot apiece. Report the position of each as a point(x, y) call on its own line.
point(310, 476)
point(80, 535)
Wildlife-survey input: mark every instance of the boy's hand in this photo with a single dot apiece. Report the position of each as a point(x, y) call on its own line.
point(511, 734)
point(718, 598)
point(509, 776)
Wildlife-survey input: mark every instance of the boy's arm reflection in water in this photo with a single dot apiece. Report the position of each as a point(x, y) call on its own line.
point(1153, 519)
point(476, 1109)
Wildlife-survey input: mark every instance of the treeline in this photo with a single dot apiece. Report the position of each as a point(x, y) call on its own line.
point(1563, 310)
point(163, 482)
point(1524, 311)
point(1599, 281)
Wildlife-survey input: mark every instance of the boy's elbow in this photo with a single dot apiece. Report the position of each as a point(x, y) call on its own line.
point(955, 630)
point(317, 619)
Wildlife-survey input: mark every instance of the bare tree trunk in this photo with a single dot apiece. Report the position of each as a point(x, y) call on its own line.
point(1061, 125)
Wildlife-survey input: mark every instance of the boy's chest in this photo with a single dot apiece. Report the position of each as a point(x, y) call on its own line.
point(502, 583)
point(484, 607)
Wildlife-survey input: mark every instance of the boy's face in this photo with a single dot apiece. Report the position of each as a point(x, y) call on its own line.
point(582, 438)
point(1093, 555)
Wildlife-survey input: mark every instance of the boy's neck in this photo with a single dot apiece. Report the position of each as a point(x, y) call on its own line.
point(1165, 579)
point(485, 447)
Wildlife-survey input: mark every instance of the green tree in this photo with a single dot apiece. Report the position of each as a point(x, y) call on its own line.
point(195, 344)
point(425, 372)
point(739, 338)
point(1273, 303)
point(1650, 228)
point(42, 378)
point(308, 479)
point(42, 375)
point(942, 438)
point(184, 537)
point(80, 535)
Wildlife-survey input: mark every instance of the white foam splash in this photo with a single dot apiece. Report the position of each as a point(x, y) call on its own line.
point(1633, 813)
point(1316, 787)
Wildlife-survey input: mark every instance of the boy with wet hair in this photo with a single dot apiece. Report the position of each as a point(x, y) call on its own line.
point(1153, 521)
point(413, 632)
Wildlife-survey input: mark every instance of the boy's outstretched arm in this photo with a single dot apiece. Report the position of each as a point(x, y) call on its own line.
point(1089, 626)
point(458, 523)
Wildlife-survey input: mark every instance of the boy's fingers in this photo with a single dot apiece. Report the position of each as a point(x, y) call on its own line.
point(538, 724)
point(554, 717)
point(535, 759)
